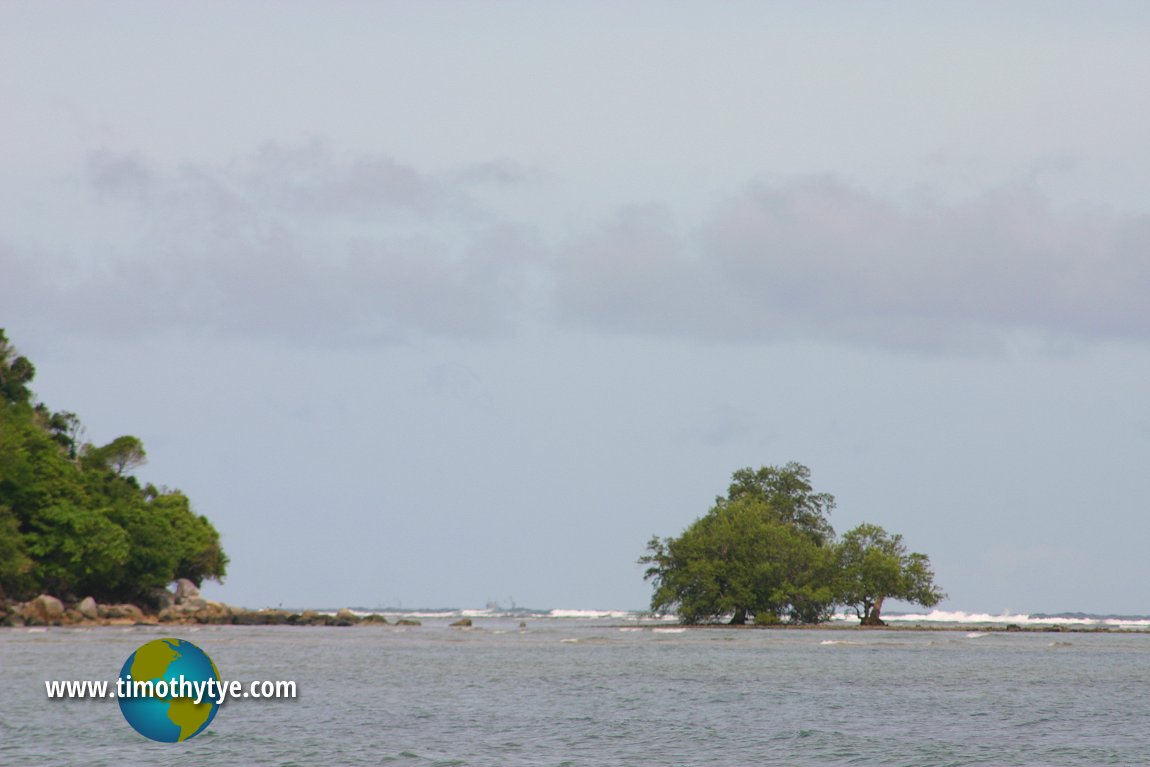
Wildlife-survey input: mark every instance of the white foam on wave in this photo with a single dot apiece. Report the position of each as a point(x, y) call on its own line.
point(957, 616)
point(592, 614)
point(976, 635)
point(960, 617)
point(485, 613)
point(668, 631)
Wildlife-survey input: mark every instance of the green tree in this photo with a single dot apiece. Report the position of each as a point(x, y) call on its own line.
point(65, 428)
point(16, 373)
point(789, 491)
point(763, 551)
point(77, 551)
point(874, 565)
point(120, 456)
point(199, 555)
point(73, 520)
point(14, 561)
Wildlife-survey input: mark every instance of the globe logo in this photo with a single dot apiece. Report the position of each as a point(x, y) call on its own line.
point(159, 685)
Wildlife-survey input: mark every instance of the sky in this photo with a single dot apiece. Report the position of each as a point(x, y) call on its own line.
point(437, 304)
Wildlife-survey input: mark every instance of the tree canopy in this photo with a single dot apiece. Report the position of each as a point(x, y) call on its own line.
point(874, 565)
point(767, 551)
point(763, 550)
point(74, 521)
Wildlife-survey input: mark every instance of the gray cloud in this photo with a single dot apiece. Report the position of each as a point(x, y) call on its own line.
point(814, 258)
point(289, 242)
point(300, 243)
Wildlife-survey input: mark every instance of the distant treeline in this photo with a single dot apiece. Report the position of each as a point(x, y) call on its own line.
point(74, 522)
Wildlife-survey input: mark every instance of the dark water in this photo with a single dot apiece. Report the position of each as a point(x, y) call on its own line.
point(566, 692)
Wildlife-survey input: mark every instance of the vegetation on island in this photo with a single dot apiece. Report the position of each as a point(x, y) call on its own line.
point(766, 552)
point(74, 521)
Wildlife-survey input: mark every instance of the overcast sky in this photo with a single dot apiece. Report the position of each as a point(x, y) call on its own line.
point(430, 304)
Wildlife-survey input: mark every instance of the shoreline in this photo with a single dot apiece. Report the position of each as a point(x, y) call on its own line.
point(185, 606)
point(1010, 628)
point(42, 613)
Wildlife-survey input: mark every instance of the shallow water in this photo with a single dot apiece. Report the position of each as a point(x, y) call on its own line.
point(570, 692)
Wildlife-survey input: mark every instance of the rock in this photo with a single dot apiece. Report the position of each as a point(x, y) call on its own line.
point(260, 617)
point(174, 614)
point(307, 618)
point(45, 608)
point(318, 619)
point(192, 604)
point(88, 609)
point(186, 590)
point(215, 613)
point(375, 618)
point(408, 622)
point(121, 612)
point(462, 623)
point(160, 599)
point(344, 614)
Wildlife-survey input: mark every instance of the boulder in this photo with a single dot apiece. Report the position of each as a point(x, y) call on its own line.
point(45, 608)
point(206, 611)
point(462, 623)
point(174, 614)
point(186, 590)
point(192, 604)
point(375, 618)
point(161, 599)
point(88, 609)
point(199, 610)
point(408, 622)
point(345, 617)
point(120, 612)
point(307, 618)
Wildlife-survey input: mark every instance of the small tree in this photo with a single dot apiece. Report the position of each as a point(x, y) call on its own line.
point(16, 372)
point(874, 566)
point(763, 551)
point(121, 455)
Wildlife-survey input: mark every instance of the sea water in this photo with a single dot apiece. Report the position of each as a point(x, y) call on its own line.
point(571, 691)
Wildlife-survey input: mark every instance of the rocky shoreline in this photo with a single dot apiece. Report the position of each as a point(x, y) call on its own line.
point(183, 606)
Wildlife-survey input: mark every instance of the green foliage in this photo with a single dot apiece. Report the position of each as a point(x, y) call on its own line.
point(121, 455)
point(16, 373)
point(76, 550)
point(14, 560)
point(197, 544)
point(762, 551)
point(874, 565)
point(789, 492)
point(73, 521)
point(767, 552)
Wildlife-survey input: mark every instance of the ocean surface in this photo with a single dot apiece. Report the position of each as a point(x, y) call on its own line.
point(588, 688)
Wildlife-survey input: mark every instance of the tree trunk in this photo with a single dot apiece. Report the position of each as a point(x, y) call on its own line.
point(740, 617)
point(873, 615)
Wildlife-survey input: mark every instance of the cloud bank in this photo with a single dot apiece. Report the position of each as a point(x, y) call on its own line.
point(813, 258)
point(299, 243)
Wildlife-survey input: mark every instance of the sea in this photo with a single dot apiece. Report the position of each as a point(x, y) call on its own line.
point(585, 687)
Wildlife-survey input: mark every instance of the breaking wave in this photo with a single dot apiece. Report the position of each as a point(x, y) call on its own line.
point(940, 618)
